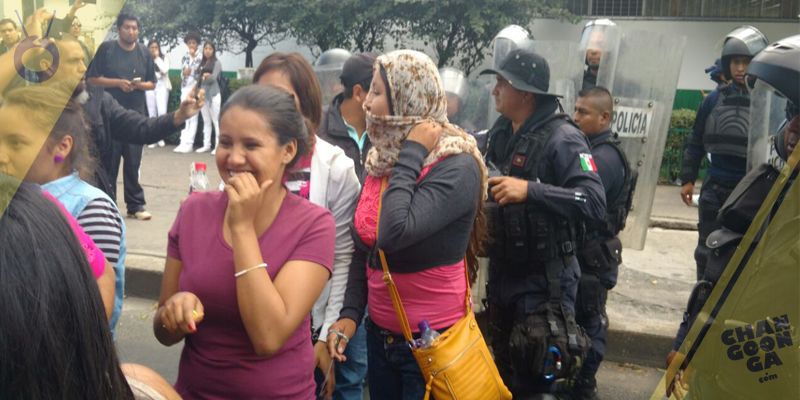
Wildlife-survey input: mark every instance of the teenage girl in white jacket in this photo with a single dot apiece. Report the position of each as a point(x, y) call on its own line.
point(157, 99)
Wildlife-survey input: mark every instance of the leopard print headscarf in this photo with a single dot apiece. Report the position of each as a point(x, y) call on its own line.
point(417, 96)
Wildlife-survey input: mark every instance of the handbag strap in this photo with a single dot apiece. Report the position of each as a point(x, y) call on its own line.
point(387, 277)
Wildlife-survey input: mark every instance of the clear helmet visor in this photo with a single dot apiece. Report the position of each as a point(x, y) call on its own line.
point(455, 84)
point(329, 82)
point(597, 40)
point(768, 114)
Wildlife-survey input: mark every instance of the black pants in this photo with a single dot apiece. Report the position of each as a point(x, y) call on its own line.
point(132, 155)
point(712, 196)
point(511, 298)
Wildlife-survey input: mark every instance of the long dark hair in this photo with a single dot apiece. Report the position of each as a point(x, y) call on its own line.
point(278, 109)
point(48, 112)
point(160, 53)
point(207, 65)
point(54, 337)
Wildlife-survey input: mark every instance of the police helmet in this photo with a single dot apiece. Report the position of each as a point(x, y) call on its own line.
point(743, 41)
point(593, 36)
point(333, 58)
point(515, 33)
point(455, 82)
point(510, 38)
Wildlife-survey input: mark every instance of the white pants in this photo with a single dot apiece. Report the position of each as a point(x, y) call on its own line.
point(157, 100)
point(210, 112)
point(187, 134)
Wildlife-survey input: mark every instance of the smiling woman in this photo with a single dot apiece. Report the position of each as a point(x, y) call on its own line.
point(246, 265)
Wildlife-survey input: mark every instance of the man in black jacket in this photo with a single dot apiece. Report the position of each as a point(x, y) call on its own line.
point(344, 123)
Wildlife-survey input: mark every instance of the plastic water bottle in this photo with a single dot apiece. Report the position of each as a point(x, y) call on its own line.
point(427, 335)
point(198, 180)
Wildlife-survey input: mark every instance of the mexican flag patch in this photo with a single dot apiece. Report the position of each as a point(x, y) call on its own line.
point(587, 163)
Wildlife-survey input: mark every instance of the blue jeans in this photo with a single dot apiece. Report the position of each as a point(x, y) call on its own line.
point(393, 371)
point(350, 374)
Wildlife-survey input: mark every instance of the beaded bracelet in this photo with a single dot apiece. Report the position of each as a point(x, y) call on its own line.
point(240, 273)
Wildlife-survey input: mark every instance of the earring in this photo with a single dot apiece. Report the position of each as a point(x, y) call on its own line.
point(58, 159)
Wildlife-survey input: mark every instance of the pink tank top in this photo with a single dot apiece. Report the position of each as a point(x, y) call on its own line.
point(436, 294)
point(93, 254)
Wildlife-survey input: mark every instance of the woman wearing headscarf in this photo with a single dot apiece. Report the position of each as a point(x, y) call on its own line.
point(433, 182)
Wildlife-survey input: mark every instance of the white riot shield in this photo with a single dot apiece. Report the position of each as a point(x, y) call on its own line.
point(767, 115)
point(564, 59)
point(640, 69)
point(329, 82)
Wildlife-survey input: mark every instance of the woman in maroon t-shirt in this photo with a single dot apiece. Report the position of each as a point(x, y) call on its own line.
point(246, 265)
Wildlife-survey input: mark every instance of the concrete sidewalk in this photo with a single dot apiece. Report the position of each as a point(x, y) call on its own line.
point(644, 309)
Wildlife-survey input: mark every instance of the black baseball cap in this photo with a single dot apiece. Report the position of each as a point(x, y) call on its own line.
point(358, 69)
point(525, 71)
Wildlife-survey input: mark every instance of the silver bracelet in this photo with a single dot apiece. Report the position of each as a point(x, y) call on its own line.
point(240, 273)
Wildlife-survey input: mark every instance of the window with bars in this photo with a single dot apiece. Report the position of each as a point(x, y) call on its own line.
point(723, 10)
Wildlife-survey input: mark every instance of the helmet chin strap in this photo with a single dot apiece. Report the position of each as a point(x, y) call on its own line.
point(560, 108)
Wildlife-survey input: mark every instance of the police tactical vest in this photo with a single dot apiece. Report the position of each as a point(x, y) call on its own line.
point(727, 125)
point(618, 208)
point(528, 235)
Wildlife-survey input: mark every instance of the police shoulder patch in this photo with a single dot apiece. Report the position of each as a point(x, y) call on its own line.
point(587, 163)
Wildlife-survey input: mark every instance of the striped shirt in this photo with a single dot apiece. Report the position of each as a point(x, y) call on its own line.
point(102, 222)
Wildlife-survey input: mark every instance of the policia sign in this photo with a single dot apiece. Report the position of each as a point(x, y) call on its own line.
point(631, 121)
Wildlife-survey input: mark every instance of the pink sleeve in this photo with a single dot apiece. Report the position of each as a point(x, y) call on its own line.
point(93, 254)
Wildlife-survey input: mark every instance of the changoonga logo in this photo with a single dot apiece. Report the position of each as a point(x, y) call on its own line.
point(30, 43)
point(767, 337)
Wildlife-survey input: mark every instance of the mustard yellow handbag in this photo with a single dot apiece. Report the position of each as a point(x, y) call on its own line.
point(458, 364)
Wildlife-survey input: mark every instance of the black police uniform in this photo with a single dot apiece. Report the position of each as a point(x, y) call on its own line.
point(589, 80)
point(601, 253)
point(562, 193)
point(720, 129)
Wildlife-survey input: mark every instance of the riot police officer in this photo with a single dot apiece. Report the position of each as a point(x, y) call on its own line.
point(720, 129)
point(548, 182)
point(594, 49)
point(328, 68)
point(600, 253)
point(769, 265)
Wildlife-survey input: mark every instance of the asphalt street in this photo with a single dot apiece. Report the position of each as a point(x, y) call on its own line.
point(136, 344)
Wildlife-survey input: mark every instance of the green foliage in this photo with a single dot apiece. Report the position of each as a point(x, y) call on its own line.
point(233, 25)
point(355, 25)
point(680, 127)
point(460, 32)
point(456, 32)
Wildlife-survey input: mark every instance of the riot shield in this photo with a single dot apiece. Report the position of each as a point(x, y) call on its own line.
point(643, 83)
point(767, 115)
point(563, 58)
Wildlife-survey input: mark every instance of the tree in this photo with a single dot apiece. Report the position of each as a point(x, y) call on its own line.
point(355, 25)
point(461, 31)
point(233, 25)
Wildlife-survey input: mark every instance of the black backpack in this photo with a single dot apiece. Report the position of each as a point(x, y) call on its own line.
point(746, 199)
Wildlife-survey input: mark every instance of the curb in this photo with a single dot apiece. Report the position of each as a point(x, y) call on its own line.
point(673, 224)
point(645, 349)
